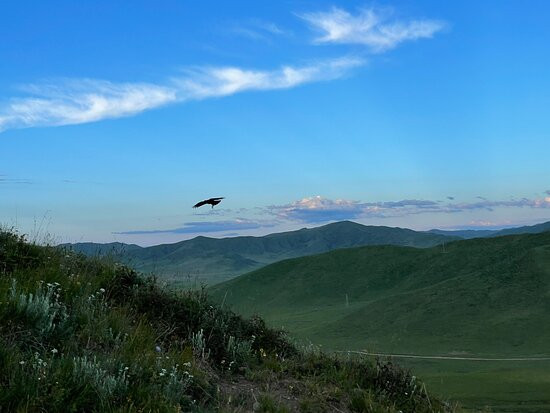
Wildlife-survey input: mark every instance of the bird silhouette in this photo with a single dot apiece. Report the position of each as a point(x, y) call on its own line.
point(211, 201)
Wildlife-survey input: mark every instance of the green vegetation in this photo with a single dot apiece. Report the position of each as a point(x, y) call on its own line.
point(486, 297)
point(80, 334)
point(211, 260)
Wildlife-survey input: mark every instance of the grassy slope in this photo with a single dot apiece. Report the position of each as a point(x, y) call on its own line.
point(80, 334)
point(213, 260)
point(481, 296)
point(470, 297)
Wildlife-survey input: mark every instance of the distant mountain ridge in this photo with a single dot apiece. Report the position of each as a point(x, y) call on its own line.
point(213, 260)
point(482, 233)
point(465, 233)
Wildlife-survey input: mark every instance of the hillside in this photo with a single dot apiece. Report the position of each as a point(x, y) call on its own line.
point(80, 334)
point(93, 249)
point(481, 298)
point(471, 296)
point(531, 229)
point(212, 260)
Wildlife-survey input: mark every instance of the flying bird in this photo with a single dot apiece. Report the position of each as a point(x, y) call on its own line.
point(211, 201)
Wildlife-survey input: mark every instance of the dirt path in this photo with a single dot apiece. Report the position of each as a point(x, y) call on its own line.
point(415, 356)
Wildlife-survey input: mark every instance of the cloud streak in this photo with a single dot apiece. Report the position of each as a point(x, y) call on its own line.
point(223, 81)
point(6, 180)
point(259, 30)
point(370, 27)
point(238, 224)
point(76, 101)
point(318, 209)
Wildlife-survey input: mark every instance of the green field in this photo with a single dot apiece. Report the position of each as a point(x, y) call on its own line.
point(481, 297)
point(503, 386)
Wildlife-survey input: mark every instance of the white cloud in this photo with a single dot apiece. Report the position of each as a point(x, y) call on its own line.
point(80, 101)
point(369, 27)
point(319, 209)
point(223, 81)
point(77, 101)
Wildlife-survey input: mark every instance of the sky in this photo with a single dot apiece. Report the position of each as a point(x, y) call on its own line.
point(117, 117)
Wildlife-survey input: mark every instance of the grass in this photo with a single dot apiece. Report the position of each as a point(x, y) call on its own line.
point(479, 297)
point(502, 386)
point(81, 334)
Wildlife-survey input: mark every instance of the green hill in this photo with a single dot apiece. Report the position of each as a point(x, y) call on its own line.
point(469, 296)
point(93, 249)
point(212, 260)
point(86, 335)
point(531, 229)
point(486, 297)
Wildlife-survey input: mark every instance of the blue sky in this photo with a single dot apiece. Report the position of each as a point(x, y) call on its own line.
point(116, 119)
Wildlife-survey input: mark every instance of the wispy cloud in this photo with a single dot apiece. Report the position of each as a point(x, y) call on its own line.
point(238, 224)
point(222, 81)
point(270, 27)
point(257, 29)
point(69, 102)
point(370, 27)
point(6, 180)
point(79, 101)
point(486, 224)
point(318, 209)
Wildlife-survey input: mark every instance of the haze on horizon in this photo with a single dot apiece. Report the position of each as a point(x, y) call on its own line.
point(116, 120)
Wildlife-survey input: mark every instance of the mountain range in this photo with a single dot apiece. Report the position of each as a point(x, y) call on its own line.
point(213, 260)
point(482, 233)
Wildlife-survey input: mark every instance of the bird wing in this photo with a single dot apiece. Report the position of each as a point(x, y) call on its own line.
point(199, 204)
point(216, 199)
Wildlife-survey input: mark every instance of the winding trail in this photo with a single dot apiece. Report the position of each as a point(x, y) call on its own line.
point(415, 356)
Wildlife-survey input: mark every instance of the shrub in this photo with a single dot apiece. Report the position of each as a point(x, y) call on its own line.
point(42, 311)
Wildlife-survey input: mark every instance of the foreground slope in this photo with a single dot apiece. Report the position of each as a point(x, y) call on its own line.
point(479, 296)
point(80, 334)
point(214, 260)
